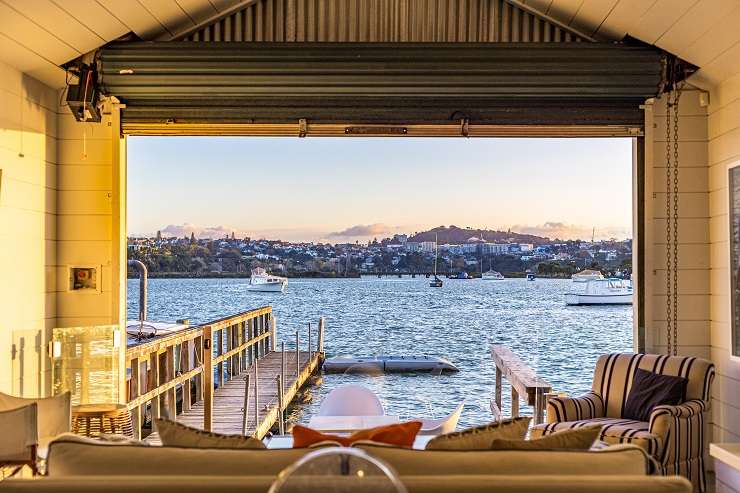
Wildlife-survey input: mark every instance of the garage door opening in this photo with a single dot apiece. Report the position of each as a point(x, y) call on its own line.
point(357, 225)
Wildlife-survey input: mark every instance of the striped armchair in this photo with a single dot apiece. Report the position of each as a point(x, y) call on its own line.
point(674, 436)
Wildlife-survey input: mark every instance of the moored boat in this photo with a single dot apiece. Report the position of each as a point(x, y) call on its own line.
point(587, 275)
point(262, 281)
point(531, 276)
point(602, 292)
point(492, 275)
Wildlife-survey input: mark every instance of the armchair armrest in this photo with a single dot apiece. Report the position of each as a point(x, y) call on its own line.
point(588, 406)
point(686, 410)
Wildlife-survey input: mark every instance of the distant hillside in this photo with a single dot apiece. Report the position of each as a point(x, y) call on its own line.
point(455, 236)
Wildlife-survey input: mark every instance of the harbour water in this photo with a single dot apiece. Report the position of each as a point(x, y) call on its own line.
point(393, 316)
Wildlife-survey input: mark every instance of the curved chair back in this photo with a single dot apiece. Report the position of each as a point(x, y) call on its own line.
point(614, 373)
point(54, 414)
point(443, 425)
point(19, 435)
point(351, 400)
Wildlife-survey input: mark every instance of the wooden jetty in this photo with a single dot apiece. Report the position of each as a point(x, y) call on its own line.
point(210, 365)
point(524, 381)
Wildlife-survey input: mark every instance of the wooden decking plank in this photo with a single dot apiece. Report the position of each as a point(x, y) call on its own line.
point(228, 399)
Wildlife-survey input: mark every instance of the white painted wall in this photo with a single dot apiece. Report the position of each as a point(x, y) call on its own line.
point(28, 230)
point(723, 152)
point(693, 226)
point(62, 203)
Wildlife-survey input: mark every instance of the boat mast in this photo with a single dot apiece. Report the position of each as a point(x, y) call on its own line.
point(435, 255)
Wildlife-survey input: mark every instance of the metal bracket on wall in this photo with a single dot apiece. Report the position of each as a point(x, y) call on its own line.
point(464, 129)
point(302, 127)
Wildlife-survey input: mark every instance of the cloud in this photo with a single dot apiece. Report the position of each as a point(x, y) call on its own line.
point(212, 232)
point(565, 231)
point(362, 230)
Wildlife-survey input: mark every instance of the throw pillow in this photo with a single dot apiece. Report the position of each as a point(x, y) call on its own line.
point(400, 435)
point(177, 435)
point(572, 439)
point(479, 438)
point(652, 389)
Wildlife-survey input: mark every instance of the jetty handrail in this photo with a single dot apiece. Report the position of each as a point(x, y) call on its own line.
point(207, 355)
point(524, 382)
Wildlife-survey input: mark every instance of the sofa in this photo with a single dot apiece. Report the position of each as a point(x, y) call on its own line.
point(80, 466)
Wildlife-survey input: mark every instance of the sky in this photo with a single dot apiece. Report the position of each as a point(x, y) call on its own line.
point(349, 189)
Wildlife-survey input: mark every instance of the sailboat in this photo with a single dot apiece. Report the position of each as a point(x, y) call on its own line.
point(491, 275)
point(436, 282)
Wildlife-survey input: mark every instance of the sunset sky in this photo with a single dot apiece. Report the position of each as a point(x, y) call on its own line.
point(341, 189)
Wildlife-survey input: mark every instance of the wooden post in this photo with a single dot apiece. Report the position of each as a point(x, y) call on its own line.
point(539, 407)
point(154, 382)
point(282, 363)
point(297, 355)
point(310, 349)
point(514, 403)
point(322, 328)
point(219, 351)
point(170, 396)
point(273, 326)
point(244, 338)
point(256, 396)
point(185, 349)
point(245, 411)
point(207, 378)
point(281, 415)
point(497, 395)
point(198, 351)
point(135, 391)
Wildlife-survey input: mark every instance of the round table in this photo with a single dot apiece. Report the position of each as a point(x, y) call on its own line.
point(93, 420)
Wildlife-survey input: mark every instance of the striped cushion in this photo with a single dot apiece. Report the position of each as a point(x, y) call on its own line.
point(614, 372)
point(614, 431)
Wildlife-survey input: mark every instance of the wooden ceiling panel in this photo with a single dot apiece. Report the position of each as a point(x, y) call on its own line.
point(622, 17)
point(169, 13)
point(721, 37)
point(198, 10)
point(37, 39)
point(659, 18)
point(591, 15)
point(18, 56)
point(134, 16)
point(95, 18)
point(697, 21)
point(55, 20)
point(564, 10)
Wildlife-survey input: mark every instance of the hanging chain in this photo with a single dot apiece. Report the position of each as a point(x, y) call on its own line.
point(671, 205)
point(668, 227)
point(675, 221)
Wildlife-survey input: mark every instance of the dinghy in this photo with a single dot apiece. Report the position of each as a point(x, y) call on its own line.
point(388, 364)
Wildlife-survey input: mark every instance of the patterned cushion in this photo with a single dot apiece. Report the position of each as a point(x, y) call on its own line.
point(614, 431)
point(480, 437)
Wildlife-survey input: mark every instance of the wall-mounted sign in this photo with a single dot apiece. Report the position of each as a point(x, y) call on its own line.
point(84, 279)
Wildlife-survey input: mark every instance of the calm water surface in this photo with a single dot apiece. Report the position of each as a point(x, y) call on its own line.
point(391, 316)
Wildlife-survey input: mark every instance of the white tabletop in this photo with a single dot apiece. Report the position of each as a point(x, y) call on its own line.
point(729, 453)
point(350, 423)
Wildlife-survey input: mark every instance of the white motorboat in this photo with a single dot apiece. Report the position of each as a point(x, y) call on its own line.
point(587, 275)
point(261, 280)
point(387, 364)
point(492, 275)
point(602, 292)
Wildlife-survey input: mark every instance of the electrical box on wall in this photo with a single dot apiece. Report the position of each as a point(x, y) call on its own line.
point(84, 279)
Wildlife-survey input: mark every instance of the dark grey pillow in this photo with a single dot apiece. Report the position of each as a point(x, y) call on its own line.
point(652, 389)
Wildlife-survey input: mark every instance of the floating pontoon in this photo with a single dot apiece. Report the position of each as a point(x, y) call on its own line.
point(388, 364)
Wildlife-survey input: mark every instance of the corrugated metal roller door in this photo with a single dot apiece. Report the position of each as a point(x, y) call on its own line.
point(244, 88)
